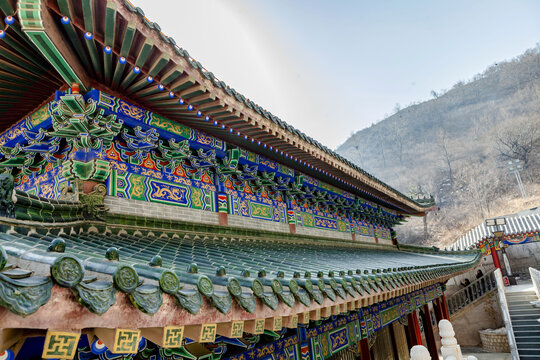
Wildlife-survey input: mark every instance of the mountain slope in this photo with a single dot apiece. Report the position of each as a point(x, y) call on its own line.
point(456, 145)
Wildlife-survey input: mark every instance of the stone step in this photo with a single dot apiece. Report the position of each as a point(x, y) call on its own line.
point(529, 308)
point(521, 298)
point(527, 339)
point(515, 295)
point(521, 305)
point(529, 351)
point(524, 321)
point(525, 306)
point(526, 292)
point(528, 344)
point(525, 331)
point(518, 293)
point(526, 328)
point(520, 302)
point(524, 315)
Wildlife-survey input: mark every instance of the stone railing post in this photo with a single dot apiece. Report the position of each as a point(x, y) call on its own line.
point(450, 349)
point(535, 277)
point(506, 314)
point(449, 343)
point(420, 352)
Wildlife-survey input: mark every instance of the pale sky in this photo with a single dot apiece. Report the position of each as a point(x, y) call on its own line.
point(331, 68)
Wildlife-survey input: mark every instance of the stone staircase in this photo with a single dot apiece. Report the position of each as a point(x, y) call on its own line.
point(524, 317)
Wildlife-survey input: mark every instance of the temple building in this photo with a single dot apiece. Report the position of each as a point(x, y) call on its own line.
point(149, 211)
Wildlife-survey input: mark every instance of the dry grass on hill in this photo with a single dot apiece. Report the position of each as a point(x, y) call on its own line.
point(456, 147)
point(443, 234)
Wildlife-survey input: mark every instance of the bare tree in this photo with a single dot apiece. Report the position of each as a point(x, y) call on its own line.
point(518, 141)
point(381, 143)
point(446, 157)
point(397, 129)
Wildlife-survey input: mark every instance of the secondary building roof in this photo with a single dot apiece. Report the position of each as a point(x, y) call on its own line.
point(526, 223)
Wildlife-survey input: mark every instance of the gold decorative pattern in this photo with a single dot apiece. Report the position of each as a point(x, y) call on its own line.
point(126, 341)
point(131, 110)
point(171, 126)
point(173, 336)
point(60, 345)
point(259, 326)
point(339, 339)
point(294, 322)
point(258, 210)
point(208, 333)
point(265, 350)
point(11, 134)
point(278, 323)
point(137, 187)
point(196, 197)
point(272, 165)
point(237, 329)
point(204, 139)
point(39, 116)
point(307, 219)
point(168, 193)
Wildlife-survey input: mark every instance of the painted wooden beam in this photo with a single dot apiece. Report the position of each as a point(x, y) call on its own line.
point(204, 333)
point(110, 27)
point(129, 34)
point(304, 318)
point(254, 327)
point(39, 26)
point(171, 75)
point(233, 329)
point(315, 315)
point(274, 323)
point(290, 322)
point(88, 15)
point(119, 341)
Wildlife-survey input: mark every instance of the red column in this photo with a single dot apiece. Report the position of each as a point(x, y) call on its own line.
point(364, 349)
point(428, 332)
point(444, 307)
point(495, 257)
point(439, 315)
point(414, 329)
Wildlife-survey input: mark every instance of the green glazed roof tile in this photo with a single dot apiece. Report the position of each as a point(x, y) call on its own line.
point(192, 263)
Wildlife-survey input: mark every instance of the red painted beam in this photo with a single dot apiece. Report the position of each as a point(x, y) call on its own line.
point(414, 329)
point(444, 307)
point(365, 354)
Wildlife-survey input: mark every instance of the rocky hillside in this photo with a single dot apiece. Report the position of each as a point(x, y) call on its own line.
point(456, 146)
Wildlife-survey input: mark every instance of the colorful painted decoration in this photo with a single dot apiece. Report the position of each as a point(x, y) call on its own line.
point(7, 355)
